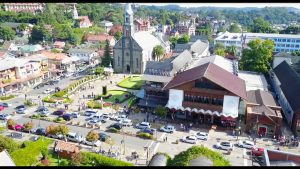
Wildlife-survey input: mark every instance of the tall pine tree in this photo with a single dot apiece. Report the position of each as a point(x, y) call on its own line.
point(106, 60)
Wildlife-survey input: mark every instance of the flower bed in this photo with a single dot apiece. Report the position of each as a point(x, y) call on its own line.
point(115, 96)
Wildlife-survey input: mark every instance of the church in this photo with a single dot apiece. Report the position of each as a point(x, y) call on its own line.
point(134, 49)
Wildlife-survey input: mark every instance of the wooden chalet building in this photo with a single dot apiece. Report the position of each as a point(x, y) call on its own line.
point(206, 94)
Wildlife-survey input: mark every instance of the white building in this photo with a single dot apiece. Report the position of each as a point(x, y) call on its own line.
point(6, 160)
point(107, 25)
point(86, 55)
point(254, 80)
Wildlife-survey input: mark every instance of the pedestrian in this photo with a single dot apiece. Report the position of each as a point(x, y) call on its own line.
point(254, 141)
point(83, 96)
point(233, 132)
point(110, 82)
point(166, 139)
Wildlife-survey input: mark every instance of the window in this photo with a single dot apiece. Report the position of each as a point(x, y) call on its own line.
point(287, 45)
point(127, 54)
point(137, 62)
point(297, 46)
point(288, 40)
point(298, 41)
point(283, 40)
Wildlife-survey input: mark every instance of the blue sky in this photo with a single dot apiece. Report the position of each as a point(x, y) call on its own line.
point(259, 5)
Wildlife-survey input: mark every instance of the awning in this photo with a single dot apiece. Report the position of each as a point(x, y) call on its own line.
point(175, 99)
point(141, 93)
point(231, 106)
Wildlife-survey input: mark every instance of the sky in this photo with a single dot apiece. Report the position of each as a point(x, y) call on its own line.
point(241, 5)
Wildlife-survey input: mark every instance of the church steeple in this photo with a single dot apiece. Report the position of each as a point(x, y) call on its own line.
point(75, 13)
point(128, 21)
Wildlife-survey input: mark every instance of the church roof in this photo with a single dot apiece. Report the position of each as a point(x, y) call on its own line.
point(146, 40)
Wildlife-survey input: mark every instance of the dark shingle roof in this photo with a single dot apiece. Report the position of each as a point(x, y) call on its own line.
point(261, 97)
point(289, 84)
point(213, 73)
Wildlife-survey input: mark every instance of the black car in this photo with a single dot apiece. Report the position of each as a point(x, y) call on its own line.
point(20, 107)
point(147, 130)
point(67, 117)
point(103, 137)
point(40, 131)
point(116, 126)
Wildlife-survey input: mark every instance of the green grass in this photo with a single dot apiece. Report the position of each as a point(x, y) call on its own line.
point(28, 155)
point(120, 94)
point(184, 158)
point(99, 160)
point(133, 82)
point(7, 97)
point(53, 161)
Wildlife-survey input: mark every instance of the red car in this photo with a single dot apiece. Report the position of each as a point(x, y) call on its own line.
point(1, 108)
point(17, 127)
point(257, 151)
point(59, 112)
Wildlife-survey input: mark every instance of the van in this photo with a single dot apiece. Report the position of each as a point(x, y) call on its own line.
point(74, 137)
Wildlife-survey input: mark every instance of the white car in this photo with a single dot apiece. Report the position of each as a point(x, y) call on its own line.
point(69, 74)
point(104, 119)
point(89, 112)
point(167, 129)
point(97, 117)
point(246, 144)
point(74, 137)
point(202, 135)
point(126, 122)
point(189, 139)
point(57, 136)
point(94, 122)
point(48, 91)
point(143, 125)
point(5, 116)
point(22, 111)
point(89, 143)
point(225, 145)
point(121, 117)
point(5, 104)
point(113, 117)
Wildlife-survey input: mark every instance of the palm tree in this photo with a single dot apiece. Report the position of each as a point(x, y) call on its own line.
point(158, 52)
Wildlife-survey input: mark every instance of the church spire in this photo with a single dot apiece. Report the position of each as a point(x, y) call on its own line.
point(128, 21)
point(75, 14)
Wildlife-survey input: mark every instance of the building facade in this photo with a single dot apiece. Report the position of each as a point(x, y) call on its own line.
point(24, 7)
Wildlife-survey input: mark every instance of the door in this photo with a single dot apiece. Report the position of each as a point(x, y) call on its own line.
point(128, 68)
point(262, 130)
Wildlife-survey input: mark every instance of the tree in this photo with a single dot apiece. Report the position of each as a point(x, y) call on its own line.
point(118, 35)
point(257, 58)
point(173, 40)
point(261, 26)
point(10, 122)
point(158, 51)
point(296, 53)
point(39, 34)
point(219, 46)
point(76, 159)
point(28, 126)
point(184, 39)
point(161, 111)
point(116, 107)
point(7, 33)
point(106, 60)
point(234, 28)
point(92, 136)
point(104, 90)
point(293, 29)
point(99, 70)
point(62, 129)
point(22, 27)
point(51, 130)
point(232, 50)
point(220, 52)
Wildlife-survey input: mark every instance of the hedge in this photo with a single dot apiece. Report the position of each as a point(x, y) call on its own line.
point(184, 158)
point(131, 102)
point(145, 135)
point(97, 105)
point(8, 144)
point(60, 93)
point(28, 155)
point(113, 130)
point(88, 158)
point(7, 97)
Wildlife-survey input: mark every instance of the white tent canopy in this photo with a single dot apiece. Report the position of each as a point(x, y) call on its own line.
point(175, 99)
point(231, 106)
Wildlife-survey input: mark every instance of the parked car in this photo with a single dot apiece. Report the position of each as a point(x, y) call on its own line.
point(67, 117)
point(1, 108)
point(3, 104)
point(16, 135)
point(43, 111)
point(202, 135)
point(20, 107)
point(40, 131)
point(189, 139)
point(257, 151)
point(97, 117)
point(48, 91)
point(225, 145)
point(89, 112)
point(103, 137)
point(94, 122)
point(126, 122)
point(22, 111)
point(143, 125)
point(116, 126)
point(113, 117)
point(167, 129)
point(74, 137)
point(5, 116)
point(59, 112)
point(69, 74)
point(121, 117)
point(147, 130)
point(57, 136)
point(75, 114)
point(16, 127)
point(104, 119)
point(94, 143)
point(246, 144)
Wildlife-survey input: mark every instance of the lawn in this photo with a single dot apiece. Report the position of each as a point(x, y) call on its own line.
point(53, 161)
point(116, 94)
point(28, 155)
point(131, 82)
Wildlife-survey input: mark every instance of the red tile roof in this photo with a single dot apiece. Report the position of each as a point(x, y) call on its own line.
point(115, 29)
point(54, 56)
point(99, 37)
point(65, 146)
point(84, 19)
point(213, 73)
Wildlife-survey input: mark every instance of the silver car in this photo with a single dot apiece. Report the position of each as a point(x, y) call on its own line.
point(189, 139)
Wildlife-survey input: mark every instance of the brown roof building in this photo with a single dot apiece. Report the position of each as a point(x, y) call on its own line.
point(207, 93)
point(65, 149)
point(263, 115)
point(115, 29)
point(100, 38)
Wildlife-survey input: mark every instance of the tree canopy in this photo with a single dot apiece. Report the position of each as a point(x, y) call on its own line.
point(107, 59)
point(158, 51)
point(38, 34)
point(258, 57)
point(261, 26)
point(234, 28)
point(184, 39)
point(7, 33)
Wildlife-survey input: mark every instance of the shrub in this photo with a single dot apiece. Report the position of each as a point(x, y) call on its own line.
point(59, 120)
point(35, 116)
point(11, 122)
point(6, 97)
point(8, 144)
point(60, 93)
point(92, 136)
point(29, 103)
point(131, 102)
point(94, 104)
point(25, 144)
point(88, 158)
point(113, 130)
point(145, 135)
point(28, 126)
point(183, 158)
